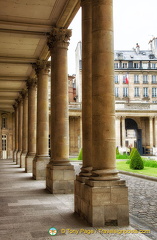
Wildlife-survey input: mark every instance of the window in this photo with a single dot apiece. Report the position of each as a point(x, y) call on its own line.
point(145, 78)
point(153, 65)
point(3, 122)
point(116, 80)
point(116, 92)
point(136, 65)
point(154, 92)
point(125, 92)
point(145, 92)
point(136, 92)
point(124, 65)
point(4, 142)
point(153, 78)
point(116, 65)
point(136, 78)
point(145, 65)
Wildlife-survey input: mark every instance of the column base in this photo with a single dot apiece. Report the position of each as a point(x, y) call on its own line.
point(60, 179)
point(18, 157)
point(39, 167)
point(22, 161)
point(29, 163)
point(102, 203)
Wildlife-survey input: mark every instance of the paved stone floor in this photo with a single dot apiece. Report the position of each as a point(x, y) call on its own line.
point(27, 210)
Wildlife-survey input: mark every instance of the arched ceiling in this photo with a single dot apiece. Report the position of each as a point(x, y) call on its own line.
point(24, 25)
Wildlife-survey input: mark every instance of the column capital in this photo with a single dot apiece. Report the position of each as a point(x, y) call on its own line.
point(59, 35)
point(41, 65)
point(24, 93)
point(31, 83)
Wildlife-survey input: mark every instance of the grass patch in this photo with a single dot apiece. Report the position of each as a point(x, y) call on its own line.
point(74, 159)
point(120, 156)
point(149, 171)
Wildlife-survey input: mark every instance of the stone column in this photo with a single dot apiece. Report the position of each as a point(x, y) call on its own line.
point(123, 132)
point(118, 137)
point(60, 173)
point(20, 130)
point(86, 102)
point(16, 131)
point(32, 112)
point(151, 132)
point(25, 128)
point(42, 156)
point(104, 196)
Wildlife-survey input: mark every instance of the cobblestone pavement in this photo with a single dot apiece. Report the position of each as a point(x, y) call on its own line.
point(142, 199)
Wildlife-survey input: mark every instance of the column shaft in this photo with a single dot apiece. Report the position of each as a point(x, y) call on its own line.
point(151, 131)
point(118, 144)
point(20, 131)
point(123, 132)
point(103, 102)
point(42, 156)
point(32, 103)
point(16, 132)
point(87, 87)
point(155, 131)
point(25, 129)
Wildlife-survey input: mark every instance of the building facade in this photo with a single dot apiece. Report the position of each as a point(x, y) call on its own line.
point(135, 78)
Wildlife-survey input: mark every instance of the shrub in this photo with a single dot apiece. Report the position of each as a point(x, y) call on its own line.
point(136, 160)
point(80, 155)
point(117, 151)
point(132, 152)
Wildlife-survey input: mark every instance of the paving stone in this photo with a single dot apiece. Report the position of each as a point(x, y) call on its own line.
point(27, 210)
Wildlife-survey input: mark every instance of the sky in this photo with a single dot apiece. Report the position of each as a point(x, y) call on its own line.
point(135, 21)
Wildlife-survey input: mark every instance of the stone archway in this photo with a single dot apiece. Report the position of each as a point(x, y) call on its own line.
point(133, 134)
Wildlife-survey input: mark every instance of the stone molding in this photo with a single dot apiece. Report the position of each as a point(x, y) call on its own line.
point(59, 35)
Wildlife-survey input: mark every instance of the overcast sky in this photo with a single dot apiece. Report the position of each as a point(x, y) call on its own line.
point(135, 21)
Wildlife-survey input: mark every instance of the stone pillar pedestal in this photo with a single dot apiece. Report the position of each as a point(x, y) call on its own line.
point(32, 102)
point(60, 179)
point(41, 159)
point(102, 203)
point(60, 173)
point(39, 167)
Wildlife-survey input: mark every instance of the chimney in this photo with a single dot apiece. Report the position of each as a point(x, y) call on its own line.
point(137, 48)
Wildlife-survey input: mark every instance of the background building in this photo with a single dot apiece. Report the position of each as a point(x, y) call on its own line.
point(136, 97)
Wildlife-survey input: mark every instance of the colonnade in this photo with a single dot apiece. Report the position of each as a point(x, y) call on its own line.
point(100, 196)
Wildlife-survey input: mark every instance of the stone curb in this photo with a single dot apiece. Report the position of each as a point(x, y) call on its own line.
point(138, 175)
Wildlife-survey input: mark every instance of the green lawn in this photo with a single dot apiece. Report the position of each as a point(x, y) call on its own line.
point(149, 171)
